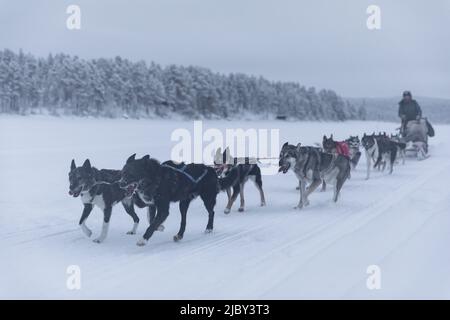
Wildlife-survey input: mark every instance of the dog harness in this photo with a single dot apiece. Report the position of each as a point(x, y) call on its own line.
point(195, 181)
point(343, 149)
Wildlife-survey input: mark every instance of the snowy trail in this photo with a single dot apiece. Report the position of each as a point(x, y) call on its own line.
point(398, 222)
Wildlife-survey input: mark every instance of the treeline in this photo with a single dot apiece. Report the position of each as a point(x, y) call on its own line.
point(437, 110)
point(67, 85)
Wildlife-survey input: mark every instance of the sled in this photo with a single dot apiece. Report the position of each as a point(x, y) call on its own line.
point(417, 150)
point(416, 139)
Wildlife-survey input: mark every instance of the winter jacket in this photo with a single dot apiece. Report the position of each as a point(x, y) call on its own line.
point(409, 110)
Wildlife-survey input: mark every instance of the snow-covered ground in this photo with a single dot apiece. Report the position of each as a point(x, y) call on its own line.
point(400, 223)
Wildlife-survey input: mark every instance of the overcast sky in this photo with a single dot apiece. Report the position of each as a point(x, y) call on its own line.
point(317, 43)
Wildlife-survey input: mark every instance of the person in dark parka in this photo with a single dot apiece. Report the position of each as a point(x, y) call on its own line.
point(408, 109)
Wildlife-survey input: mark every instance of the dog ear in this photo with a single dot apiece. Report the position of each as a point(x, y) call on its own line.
point(73, 165)
point(227, 152)
point(331, 137)
point(324, 137)
point(218, 158)
point(228, 157)
point(286, 144)
point(131, 158)
point(146, 157)
point(299, 146)
point(87, 164)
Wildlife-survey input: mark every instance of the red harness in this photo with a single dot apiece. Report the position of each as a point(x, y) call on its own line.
point(343, 149)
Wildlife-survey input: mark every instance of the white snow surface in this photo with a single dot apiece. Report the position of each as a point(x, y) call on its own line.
point(400, 222)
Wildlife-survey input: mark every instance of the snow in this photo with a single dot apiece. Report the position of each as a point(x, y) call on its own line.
point(399, 223)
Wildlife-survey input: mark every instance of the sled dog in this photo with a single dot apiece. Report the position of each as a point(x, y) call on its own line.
point(401, 146)
point(354, 144)
point(101, 188)
point(381, 150)
point(311, 165)
point(159, 184)
point(239, 171)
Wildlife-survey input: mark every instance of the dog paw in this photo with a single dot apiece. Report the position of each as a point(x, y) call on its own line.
point(263, 204)
point(161, 228)
point(177, 238)
point(98, 240)
point(141, 242)
point(87, 232)
point(132, 232)
point(226, 211)
point(208, 231)
point(241, 209)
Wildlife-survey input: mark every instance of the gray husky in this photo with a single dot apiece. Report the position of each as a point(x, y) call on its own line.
point(311, 165)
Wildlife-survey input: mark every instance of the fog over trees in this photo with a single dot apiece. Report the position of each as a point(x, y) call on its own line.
point(61, 84)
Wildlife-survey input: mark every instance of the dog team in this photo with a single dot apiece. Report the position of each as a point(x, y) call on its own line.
point(147, 183)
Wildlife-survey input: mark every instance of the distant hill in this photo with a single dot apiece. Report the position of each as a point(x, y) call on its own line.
point(386, 109)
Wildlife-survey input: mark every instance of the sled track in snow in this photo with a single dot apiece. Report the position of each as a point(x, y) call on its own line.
point(318, 239)
point(375, 211)
point(366, 215)
point(310, 244)
point(271, 252)
point(215, 240)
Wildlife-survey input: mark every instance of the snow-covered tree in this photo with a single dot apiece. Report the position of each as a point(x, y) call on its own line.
point(114, 87)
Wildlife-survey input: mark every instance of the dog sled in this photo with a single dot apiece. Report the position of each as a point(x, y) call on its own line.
point(415, 136)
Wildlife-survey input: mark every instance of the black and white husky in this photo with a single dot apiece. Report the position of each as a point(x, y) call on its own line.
point(313, 166)
point(240, 171)
point(354, 144)
point(101, 188)
point(401, 147)
point(159, 184)
point(381, 150)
